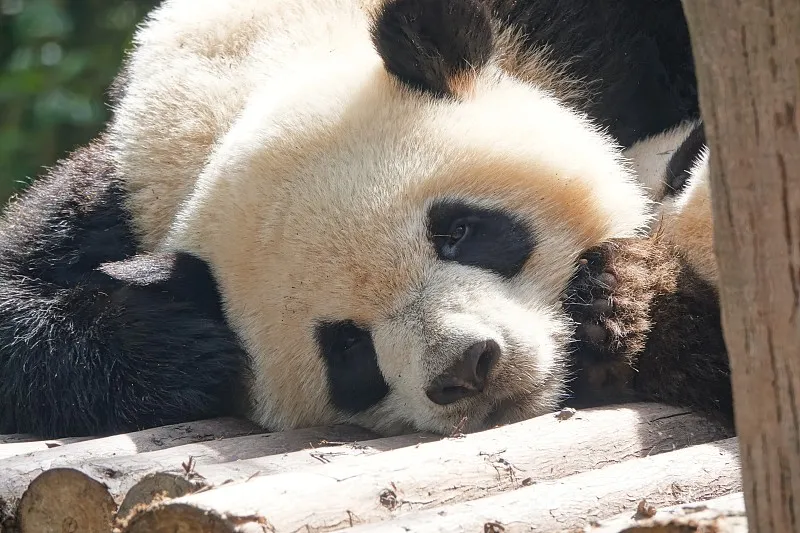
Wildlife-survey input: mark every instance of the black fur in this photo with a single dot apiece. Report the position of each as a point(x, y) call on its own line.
point(93, 338)
point(682, 161)
point(427, 43)
point(648, 327)
point(685, 361)
point(476, 236)
point(355, 380)
point(635, 54)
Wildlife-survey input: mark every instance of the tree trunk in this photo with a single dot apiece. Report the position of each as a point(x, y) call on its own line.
point(748, 66)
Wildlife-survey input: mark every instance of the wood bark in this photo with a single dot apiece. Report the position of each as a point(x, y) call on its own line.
point(140, 490)
point(694, 473)
point(17, 437)
point(441, 472)
point(748, 67)
point(725, 514)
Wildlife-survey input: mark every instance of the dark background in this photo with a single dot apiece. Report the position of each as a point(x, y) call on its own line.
point(57, 58)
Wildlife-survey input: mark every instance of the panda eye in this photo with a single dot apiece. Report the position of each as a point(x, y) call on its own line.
point(488, 238)
point(458, 232)
point(350, 341)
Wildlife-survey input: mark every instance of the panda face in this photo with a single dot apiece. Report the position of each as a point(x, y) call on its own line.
point(405, 273)
point(390, 216)
point(456, 341)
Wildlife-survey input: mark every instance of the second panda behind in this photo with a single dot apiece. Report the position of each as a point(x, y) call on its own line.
point(384, 202)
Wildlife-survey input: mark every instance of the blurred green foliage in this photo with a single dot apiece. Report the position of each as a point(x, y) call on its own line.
point(57, 58)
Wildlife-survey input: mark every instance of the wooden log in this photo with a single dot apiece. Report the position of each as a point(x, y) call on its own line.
point(24, 447)
point(17, 437)
point(47, 506)
point(19, 470)
point(119, 474)
point(442, 472)
point(748, 69)
point(193, 478)
point(725, 514)
point(694, 473)
point(110, 478)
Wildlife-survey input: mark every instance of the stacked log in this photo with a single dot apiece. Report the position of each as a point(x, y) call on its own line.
point(548, 473)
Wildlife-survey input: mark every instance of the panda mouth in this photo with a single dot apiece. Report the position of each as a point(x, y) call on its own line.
point(503, 413)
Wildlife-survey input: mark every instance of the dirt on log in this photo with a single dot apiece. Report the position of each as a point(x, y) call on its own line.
point(725, 514)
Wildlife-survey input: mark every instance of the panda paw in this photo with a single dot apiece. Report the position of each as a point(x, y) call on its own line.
point(609, 299)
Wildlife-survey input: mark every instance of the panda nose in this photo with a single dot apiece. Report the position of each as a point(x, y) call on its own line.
point(467, 377)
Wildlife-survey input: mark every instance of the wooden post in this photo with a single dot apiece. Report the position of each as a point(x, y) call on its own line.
point(748, 66)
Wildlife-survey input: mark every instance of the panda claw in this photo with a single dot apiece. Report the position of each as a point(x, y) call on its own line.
point(602, 306)
point(608, 298)
point(607, 280)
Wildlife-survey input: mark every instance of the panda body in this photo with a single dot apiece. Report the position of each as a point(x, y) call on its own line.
point(321, 211)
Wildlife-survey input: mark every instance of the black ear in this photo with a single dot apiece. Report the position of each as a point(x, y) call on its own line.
point(680, 164)
point(433, 45)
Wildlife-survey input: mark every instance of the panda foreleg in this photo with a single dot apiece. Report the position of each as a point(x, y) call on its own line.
point(648, 328)
point(109, 355)
point(93, 338)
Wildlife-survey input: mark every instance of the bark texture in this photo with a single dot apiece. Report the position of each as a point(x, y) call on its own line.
point(748, 67)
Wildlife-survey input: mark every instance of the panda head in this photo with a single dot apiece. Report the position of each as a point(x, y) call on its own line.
point(392, 223)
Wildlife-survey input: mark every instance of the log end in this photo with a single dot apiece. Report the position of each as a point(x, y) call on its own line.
point(157, 486)
point(190, 519)
point(65, 499)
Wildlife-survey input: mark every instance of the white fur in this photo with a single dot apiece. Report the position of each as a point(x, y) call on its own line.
point(266, 137)
point(651, 155)
point(685, 220)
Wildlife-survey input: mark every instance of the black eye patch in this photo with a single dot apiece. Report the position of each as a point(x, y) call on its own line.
point(486, 238)
point(355, 381)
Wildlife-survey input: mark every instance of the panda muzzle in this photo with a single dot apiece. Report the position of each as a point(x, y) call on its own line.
point(468, 376)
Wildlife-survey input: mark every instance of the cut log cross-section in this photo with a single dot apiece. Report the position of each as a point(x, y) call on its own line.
point(79, 495)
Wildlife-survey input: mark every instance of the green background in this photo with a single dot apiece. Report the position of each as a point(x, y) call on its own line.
point(57, 59)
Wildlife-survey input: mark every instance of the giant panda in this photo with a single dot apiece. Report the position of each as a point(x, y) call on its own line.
point(324, 211)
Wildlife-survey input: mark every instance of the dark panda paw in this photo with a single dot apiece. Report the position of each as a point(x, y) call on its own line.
point(609, 299)
point(648, 328)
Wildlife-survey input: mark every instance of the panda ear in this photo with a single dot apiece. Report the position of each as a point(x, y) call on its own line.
point(436, 46)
